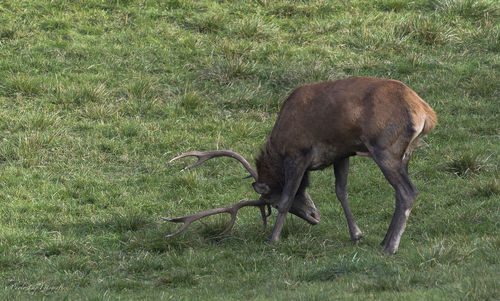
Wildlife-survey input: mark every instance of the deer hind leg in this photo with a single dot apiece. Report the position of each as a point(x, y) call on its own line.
point(341, 168)
point(395, 168)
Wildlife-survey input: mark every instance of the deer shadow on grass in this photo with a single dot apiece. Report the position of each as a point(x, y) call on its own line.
point(130, 230)
point(138, 231)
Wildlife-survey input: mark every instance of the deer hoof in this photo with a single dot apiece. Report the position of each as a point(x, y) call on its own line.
point(357, 241)
point(389, 250)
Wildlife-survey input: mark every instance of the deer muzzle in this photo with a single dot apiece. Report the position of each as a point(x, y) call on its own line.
point(304, 208)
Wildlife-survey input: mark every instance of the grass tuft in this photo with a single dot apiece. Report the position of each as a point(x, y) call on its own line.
point(23, 84)
point(342, 268)
point(82, 94)
point(130, 130)
point(226, 71)
point(467, 165)
point(141, 89)
point(489, 189)
point(129, 221)
point(177, 279)
point(208, 23)
point(255, 28)
point(7, 33)
point(191, 102)
point(54, 24)
point(392, 5)
point(428, 31)
point(468, 9)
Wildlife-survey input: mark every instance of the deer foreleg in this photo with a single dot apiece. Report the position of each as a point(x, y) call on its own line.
point(294, 170)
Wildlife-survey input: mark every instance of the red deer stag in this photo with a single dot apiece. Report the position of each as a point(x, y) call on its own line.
point(326, 123)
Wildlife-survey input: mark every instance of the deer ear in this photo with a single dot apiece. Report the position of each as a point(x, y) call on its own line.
point(261, 188)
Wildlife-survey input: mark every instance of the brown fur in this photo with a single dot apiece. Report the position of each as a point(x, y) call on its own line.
point(337, 119)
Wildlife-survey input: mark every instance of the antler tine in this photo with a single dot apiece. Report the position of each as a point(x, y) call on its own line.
point(204, 156)
point(186, 224)
point(233, 210)
point(201, 158)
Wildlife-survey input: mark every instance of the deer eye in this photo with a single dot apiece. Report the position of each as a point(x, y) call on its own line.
point(261, 188)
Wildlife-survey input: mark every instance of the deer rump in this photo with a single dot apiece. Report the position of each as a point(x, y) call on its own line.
point(324, 124)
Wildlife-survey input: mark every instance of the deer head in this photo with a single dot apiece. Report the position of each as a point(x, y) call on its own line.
point(302, 207)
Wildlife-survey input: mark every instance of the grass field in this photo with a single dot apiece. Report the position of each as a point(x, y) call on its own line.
point(96, 96)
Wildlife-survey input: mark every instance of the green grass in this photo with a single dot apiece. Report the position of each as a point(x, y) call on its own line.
point(96, 96)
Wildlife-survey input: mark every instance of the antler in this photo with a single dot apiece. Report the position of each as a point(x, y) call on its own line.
point(233, 210)
point(204, 156)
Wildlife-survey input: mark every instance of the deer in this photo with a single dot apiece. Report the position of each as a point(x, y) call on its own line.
point(324, 124)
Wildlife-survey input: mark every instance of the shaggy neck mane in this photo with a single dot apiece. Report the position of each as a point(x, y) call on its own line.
point(269, 168)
